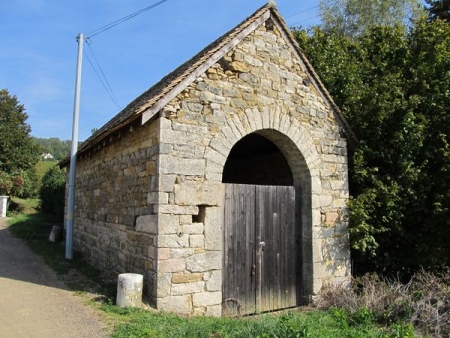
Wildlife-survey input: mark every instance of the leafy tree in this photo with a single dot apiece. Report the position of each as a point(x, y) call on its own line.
point(52, 192)
point(354, 17)
point(53, 145)
point(438, 9)
point(430, 214)
point(393, 86)
point(18, 154)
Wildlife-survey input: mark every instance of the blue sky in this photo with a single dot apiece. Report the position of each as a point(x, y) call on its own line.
point(38, 51)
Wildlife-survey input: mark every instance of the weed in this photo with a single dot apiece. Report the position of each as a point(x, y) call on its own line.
point(422, 303)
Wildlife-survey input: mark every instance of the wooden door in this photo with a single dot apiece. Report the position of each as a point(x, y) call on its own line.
point(260, 249)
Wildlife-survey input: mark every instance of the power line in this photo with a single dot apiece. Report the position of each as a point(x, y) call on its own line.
point(126, 18)
point(103, 81)
point(296, 23)
point(305, 10)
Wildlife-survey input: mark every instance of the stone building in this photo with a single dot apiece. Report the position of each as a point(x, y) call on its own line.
point(225, 184)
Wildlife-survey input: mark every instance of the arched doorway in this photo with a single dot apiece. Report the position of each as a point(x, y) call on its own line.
point(263, 251)
point(257, 160)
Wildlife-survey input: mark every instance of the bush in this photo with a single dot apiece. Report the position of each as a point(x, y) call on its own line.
point(423, 302)
point(52, 192)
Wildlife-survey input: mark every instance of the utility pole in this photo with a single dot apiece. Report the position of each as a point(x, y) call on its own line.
point(74, 150)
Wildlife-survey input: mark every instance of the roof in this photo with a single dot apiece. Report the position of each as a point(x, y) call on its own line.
point(150, 102)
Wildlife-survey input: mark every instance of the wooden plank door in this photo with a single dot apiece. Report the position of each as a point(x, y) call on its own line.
point(260, 250)
point(239, 281)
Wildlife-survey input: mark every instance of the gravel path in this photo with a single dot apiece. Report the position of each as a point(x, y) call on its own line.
point(33, 303)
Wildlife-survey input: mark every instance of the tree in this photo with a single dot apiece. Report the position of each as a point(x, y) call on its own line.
point(354, 17)
point(438, 9)
point(18, 154)
point(53, 145)
point(393, 86)
point(52, 192)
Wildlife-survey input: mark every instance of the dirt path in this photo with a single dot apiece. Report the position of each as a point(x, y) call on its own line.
point(33, 303)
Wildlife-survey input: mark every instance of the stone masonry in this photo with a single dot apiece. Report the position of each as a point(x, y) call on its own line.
point(150, 197)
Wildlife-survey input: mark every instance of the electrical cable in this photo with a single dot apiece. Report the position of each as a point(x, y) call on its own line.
point(126, 18)
point(296, 23)
point(305, 10)
point(103, 83)
point(109, 89)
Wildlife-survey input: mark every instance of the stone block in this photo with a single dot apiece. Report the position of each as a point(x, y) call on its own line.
point(239, 126)
point(171, 265)
point(193, 229)
point(157, 198)
point(213, 168)
point(164, 253)
point(169, 224)
point(147, 223)
point(215, 156)
point(214, 282)
point(177, 209)
point(240, 67)
point(163, 281)
point(331, 217)
point(176, 304)
point(202, 262)
point(213, 229)
point(181, 253)
point(187, 288)
point(182, 166)
point(197, 241)
point(152, 252)
point(211, 193)
point(180, 278)
point(213, 311)
point(186, 193)
point(207, 298)
point(170, 136)
point(166, 182)
point(173, 241)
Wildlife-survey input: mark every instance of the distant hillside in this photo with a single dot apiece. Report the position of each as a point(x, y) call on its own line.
point(58, 148)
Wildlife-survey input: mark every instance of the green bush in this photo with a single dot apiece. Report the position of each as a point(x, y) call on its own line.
point(52, 192)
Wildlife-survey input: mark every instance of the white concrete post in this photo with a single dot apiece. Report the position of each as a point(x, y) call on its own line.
point(129, 290)
point(3, 205)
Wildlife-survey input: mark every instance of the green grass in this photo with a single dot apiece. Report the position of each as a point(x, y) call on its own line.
point(35, 228)
point(22, 206)
point(292, 324)
point(43, 166)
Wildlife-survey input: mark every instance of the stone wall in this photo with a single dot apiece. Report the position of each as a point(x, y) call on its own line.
point(150, 200)
point(258, 87)
point(114, 221)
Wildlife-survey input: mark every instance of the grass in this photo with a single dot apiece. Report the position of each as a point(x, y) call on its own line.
point(43, 166)
point(289, 324)
point(35, 228)
point(19, 206)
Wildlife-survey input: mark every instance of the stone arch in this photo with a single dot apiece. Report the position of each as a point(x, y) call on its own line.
point(298, 147)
